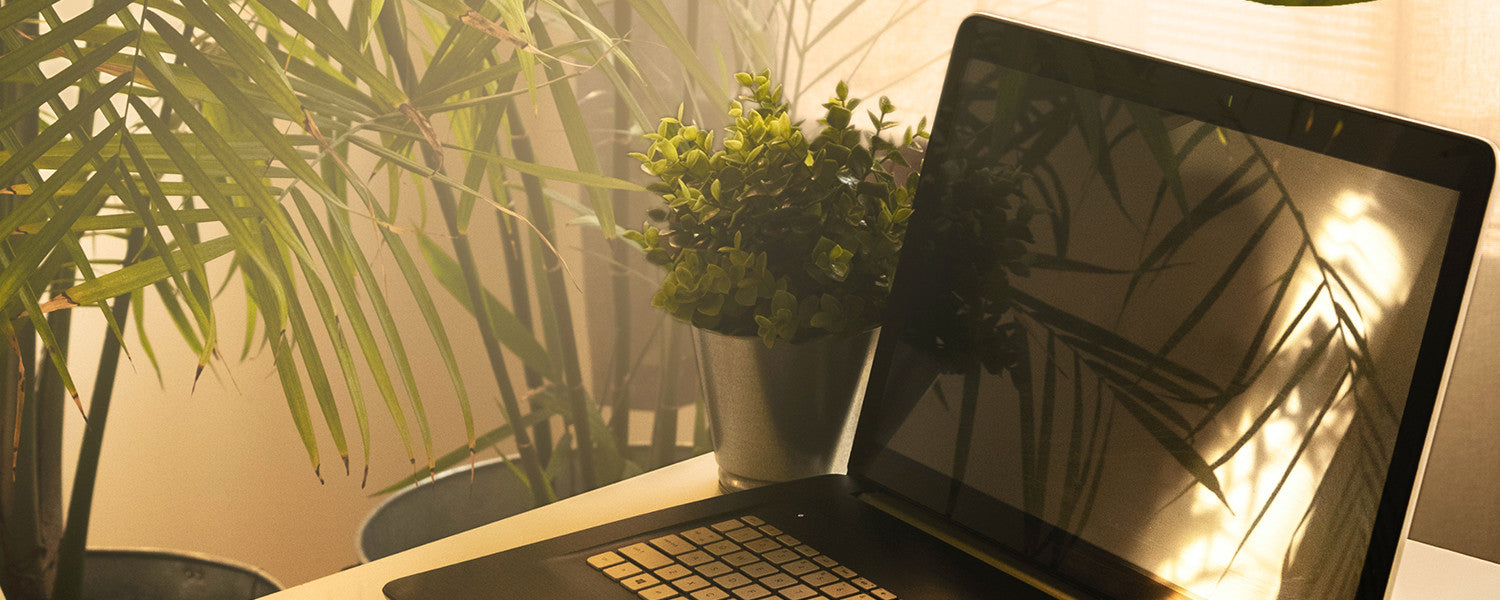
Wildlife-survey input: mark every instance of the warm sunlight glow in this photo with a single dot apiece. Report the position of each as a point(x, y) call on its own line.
point(1266, 481)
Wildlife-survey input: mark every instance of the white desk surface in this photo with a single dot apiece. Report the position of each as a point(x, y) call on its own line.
point(1426, 571)
point(690, 480)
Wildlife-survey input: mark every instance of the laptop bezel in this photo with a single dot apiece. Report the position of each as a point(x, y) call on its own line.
point(1391, 147)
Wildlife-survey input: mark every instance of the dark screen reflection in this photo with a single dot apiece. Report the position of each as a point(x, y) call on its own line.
point(1183, 344)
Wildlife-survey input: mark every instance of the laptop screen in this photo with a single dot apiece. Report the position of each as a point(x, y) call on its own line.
point(1162, 333)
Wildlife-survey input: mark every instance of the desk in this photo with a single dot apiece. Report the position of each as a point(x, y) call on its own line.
point(692, 479)
point(1427, 571)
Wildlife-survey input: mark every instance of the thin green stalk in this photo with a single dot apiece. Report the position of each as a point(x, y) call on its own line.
point(21, 553)
point(664, 428)
point(405, 70)
point(621, 167)
point(559, 311)
point(520, 297)
point(75, 536)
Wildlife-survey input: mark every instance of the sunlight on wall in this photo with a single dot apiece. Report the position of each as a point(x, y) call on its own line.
point(1274, 466)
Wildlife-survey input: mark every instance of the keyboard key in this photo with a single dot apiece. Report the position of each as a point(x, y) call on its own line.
point(671, 572)
point(645, 556)
point(605, 559)
point(702, 536)
point(797, 592)
point(839, 590)
point(751, 592)
point(825, 561)
point(622, 570)
point(778, 581)
point(722, 547)
point(695, 558)
point(820, 578)
point(732, 580)
point(672, 544)
point(844, 572)
point(739, 558)
point(882, 594)
point(688, 584)
point(638, 582)
point(711, 593)
point(782, 556)
point(753, 520)
point(771, 530)
point(859, 597)
point(806, 550)
point(743, 534)
point(731, 524)
point(800, 567)
point(862, 583)
point(713, 569)
point(762, 545)
point(788, 540)
point(759, 570)
point(660, 592)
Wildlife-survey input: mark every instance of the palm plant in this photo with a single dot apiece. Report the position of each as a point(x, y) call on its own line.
point(195, 130)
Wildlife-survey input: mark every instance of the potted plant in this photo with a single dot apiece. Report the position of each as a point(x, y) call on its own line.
point(779, 248)
point(243, 135)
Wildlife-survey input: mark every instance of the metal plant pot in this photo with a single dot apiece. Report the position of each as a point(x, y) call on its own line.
point(457, 501)
point(149, 574)
point(781, 413)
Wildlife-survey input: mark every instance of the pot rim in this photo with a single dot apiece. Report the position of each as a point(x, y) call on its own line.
point(187, 554)
point(818, 338)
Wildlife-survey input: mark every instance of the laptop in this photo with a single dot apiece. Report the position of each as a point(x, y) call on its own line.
point(1156, 332)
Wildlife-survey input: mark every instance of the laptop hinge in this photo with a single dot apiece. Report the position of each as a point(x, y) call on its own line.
point(967, 542)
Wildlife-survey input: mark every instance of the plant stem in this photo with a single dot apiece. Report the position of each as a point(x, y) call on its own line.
point(75, 536)
point(619, 420)
point(396, 45)
point(511, 254)
point(557, 287)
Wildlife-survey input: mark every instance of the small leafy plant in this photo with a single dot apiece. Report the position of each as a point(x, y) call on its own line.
point(776, 234)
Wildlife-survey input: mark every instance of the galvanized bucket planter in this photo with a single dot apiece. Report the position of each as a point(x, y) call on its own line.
point(457, 500)
point(150, 574)
point(781, 413)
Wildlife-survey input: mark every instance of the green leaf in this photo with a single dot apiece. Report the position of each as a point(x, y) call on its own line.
point(660, 20)
point(508, 329)
point(41, 197)
point(48, 90)
point(20, 10)
point(230, 31)
point(551, 173)
point(337, 46)
point(312, 361)
point(461, 453)
point(134, 277)
point(38, 246)
point(37, 50)
point(338, 262)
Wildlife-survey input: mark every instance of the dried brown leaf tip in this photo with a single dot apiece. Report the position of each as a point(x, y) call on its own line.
point(495, 30)
point(79, 403)
point(423, 125)
point(346, 463)
point(59, 302)
point(311, 127)
point(492, 29)
point(318, 472)
point(196, 374)
point(15, 190)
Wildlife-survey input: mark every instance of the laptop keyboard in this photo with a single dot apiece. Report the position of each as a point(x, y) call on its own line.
point(737, 559)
